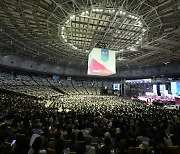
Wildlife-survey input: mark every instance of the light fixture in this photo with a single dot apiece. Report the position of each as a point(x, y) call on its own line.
point(67, 22)
point(132, 48)
point(82, 13)
point(120, 59)
point(72, 17)
point(134, 22)
point(137, 42)
point(94, 10)
point(74, 47)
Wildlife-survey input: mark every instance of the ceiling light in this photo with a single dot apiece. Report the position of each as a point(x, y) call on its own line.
point(72, 17)
point(136, 17)
point(67, 21)
point(82, 13)
point(120, 58)
point(91, 31)
point(75, 47)
point(63, 36)
point(132, 48)
point(137, 42)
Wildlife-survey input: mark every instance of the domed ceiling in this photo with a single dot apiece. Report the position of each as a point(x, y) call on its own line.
point(63, 32)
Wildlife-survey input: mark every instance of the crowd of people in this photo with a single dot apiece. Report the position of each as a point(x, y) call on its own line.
point(85, 125)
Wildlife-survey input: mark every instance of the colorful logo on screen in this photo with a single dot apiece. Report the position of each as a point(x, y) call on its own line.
point(104, 55)
point(97, 68)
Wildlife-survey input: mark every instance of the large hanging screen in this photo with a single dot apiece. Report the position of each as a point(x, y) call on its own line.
point(101, 62)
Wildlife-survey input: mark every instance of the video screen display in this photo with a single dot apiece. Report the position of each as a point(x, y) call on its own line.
point(101, 62)
point(56, 77)
point(116, 86)
point(175, 89)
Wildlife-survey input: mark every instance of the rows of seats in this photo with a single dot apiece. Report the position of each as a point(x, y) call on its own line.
point(72, 87)
point(41, 81)
point(37, 91)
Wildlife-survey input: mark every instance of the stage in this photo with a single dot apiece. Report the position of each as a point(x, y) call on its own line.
point(150, 99)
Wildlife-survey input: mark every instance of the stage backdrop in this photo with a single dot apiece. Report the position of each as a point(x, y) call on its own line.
point(101, 62)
